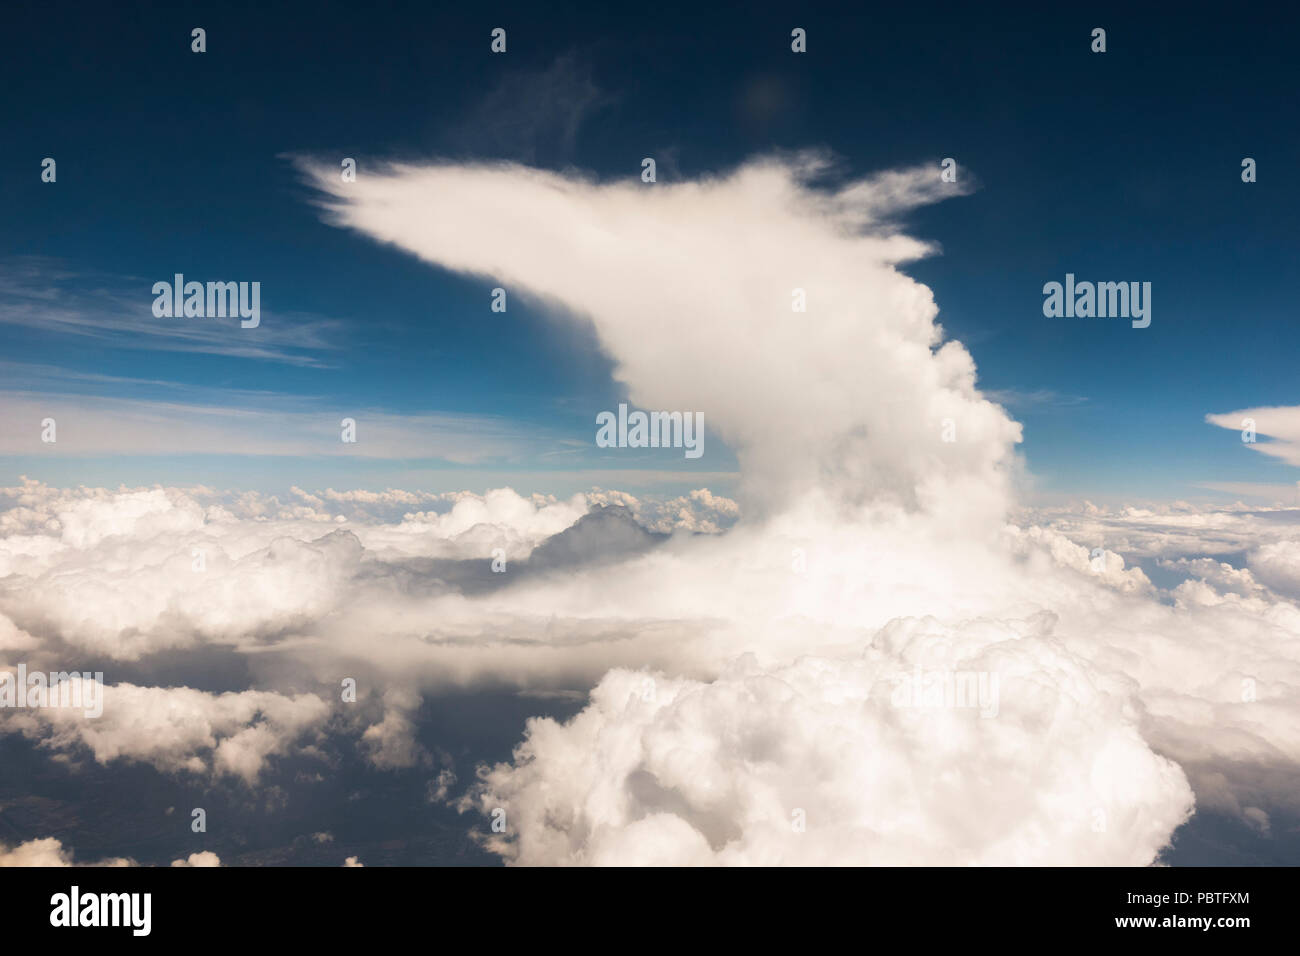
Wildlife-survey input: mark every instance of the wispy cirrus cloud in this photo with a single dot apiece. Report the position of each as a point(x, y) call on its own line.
point(276, 425)
point(44, 295)
point(534, 111)
point(1034, 398)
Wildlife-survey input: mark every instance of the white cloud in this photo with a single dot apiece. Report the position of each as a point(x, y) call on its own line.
point(177, 729)
point(848, 398)
point(799, 596)
point(49, 852)
point(817, 762)
point(1277, 566)
point(1282, 423)
point(864, 547)
point(858, 516)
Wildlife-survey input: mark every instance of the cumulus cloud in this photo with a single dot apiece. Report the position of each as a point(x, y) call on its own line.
point(391, 742)
point(1277, 565)
point(118, 577)
point(49, 852)
point(1069, 629)
point(176, 729)
point(130, 572)
point(1170, 530)
point(824, 761)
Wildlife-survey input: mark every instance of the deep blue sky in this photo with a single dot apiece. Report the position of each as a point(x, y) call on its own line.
point(1122, 166)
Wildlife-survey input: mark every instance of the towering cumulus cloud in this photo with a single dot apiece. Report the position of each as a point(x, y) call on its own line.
point(690, 289)
point(873, 656)
point(872, 665)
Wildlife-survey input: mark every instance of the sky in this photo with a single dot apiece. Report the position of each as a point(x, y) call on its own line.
point(1122, 166)
point(953, 581)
